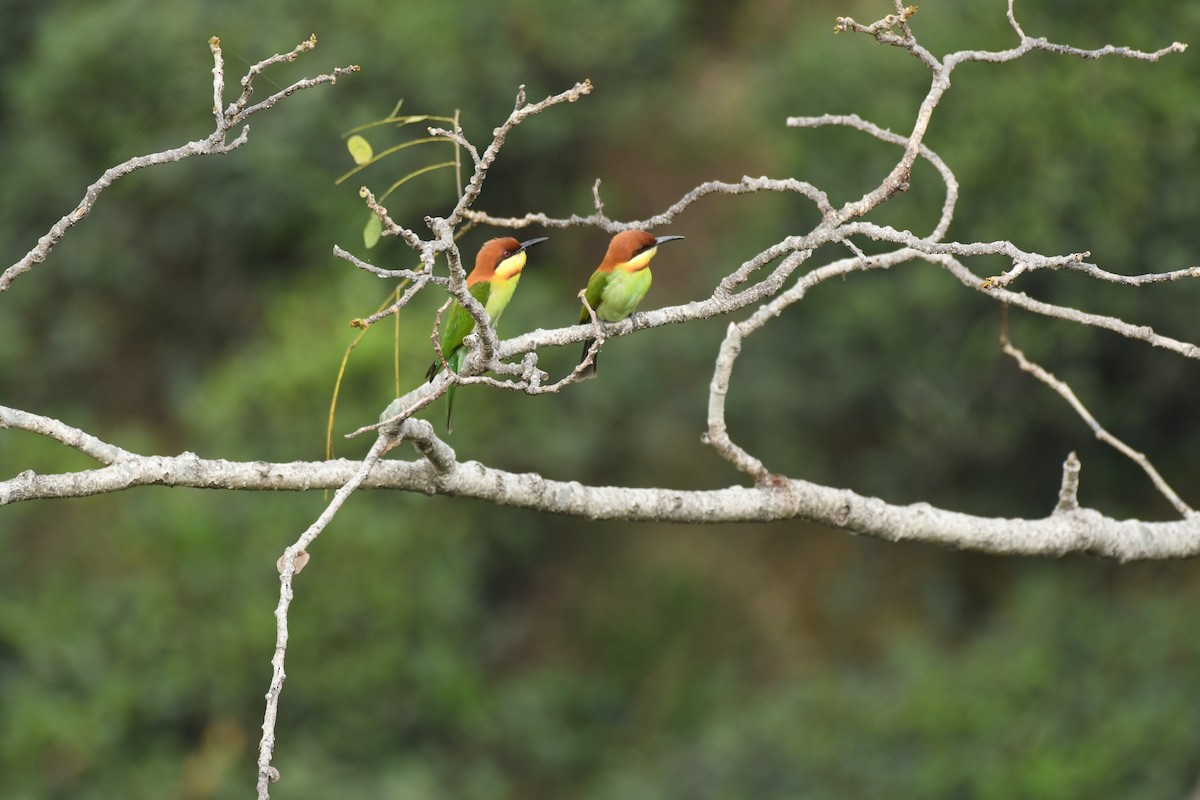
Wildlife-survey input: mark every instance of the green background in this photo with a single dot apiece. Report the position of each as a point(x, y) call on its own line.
point(446, 648)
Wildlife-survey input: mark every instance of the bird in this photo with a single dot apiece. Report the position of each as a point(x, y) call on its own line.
point(620, 282)
point(492, 282)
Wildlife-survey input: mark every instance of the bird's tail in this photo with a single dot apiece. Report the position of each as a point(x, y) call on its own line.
point(450, 408)
point(590, 370)
point(453, 361)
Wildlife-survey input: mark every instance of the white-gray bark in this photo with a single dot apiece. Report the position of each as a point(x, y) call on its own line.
point(437, 471)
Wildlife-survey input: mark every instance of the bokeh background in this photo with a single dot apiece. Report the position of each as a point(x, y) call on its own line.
point(446, 648)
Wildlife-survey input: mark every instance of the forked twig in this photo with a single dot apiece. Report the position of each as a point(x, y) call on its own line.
point(216, 142)
point(1065, 392)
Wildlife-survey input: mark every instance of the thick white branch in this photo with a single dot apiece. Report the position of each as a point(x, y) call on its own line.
point(1080, 531)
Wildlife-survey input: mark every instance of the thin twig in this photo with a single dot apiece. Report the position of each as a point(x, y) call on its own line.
point(1065, 392)
point(747, 185)
point(294, 557)
point(382, 272)
point(884, 135)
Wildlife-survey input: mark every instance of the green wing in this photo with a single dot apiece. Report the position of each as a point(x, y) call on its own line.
point(595, 289)
point(459, 324)
point(455, 327)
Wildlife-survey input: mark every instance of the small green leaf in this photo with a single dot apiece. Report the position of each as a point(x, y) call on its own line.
point(372, 232)
point(360, 149)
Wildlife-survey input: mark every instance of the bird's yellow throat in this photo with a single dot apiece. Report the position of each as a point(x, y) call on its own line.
point(511, 266)
point(638, 262)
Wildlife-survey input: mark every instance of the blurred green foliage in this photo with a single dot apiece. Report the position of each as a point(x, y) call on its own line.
point(449, 648)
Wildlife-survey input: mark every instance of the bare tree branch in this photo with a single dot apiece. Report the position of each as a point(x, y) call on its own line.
point(483, 163)
point(1083, 531)
point(1140, 332)
point(858, 123)
point(1101, 433)
point(746, 185)
point(217, 142)
point(1096, 272)
point(59, 431)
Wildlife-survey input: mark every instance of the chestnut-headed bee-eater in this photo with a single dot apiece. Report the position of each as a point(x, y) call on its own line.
point(621, 280)
point(492, 282)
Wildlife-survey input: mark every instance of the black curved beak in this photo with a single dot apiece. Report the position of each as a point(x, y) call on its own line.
point(530, 243)
point(662, 239)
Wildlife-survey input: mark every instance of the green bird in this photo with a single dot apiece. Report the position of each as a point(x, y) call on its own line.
point(497, 270)
point(621, 281)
